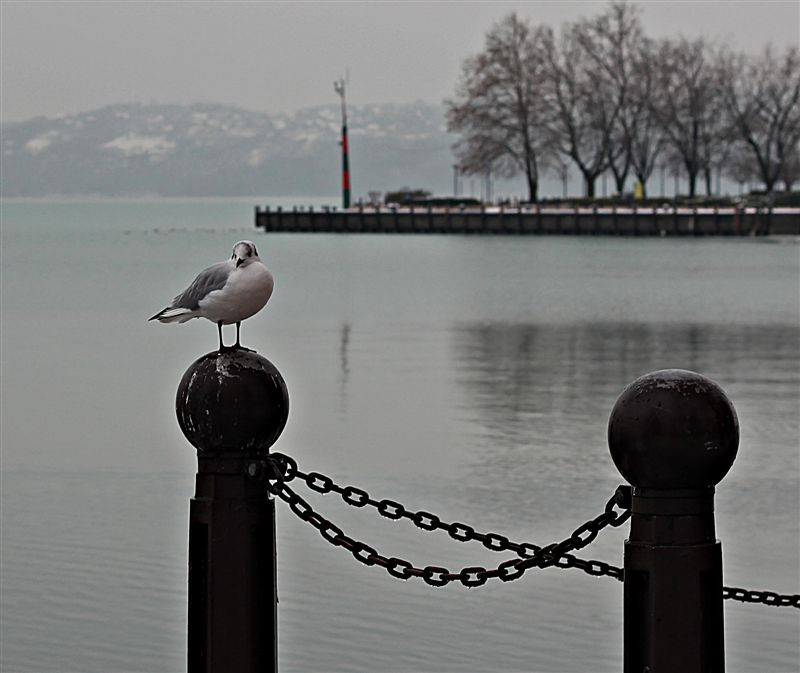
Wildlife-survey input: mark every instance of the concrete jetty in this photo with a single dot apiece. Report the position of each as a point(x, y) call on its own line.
point(533, 219)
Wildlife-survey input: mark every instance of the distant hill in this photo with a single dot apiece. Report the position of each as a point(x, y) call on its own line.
point(220, 150)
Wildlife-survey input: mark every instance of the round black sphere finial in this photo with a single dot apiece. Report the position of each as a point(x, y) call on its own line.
point(233, 402)
point(673, 429)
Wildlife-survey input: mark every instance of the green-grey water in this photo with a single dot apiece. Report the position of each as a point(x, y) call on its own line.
point(472, 377)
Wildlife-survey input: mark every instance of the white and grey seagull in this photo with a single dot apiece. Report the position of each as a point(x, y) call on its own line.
point(224, 293)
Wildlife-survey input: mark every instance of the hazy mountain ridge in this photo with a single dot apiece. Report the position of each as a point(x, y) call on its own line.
point(220, 150)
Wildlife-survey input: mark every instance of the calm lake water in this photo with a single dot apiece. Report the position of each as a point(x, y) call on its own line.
point(472, 377)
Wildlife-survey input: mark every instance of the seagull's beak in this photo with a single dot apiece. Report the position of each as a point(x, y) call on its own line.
point(239, 262)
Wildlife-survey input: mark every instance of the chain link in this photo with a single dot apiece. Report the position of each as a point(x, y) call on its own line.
point(281, 468)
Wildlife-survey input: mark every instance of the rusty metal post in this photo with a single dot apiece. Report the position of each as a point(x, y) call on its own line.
point(232, 406)
point(673, 435)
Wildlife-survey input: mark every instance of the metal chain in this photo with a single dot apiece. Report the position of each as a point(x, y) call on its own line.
point(460, 532)
point(282, 468)
point(764, 597)
point(438, 576)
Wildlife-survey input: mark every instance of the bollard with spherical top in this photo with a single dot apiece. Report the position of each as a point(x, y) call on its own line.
point(673, 429)
point(673, 435)
point(232, 406)
point(233, 403)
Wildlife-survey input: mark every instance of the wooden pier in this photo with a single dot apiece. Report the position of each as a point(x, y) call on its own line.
point(597, 221)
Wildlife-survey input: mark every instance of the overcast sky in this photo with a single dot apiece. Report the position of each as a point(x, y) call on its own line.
point(64, 57)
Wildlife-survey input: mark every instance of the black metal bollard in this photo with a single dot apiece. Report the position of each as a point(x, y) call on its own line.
point(232, 406)
point(673, 435)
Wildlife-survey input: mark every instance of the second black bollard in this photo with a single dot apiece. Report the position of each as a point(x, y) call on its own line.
point(673, 435)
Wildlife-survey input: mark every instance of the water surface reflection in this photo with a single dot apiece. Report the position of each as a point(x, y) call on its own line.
point(540, 395)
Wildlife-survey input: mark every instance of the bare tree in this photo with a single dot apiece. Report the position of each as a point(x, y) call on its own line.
point(584, 109)
point(611, 41)
point(687, 104)
point(646, 138)
point(762, 97)
point(606, 98)
point(498, 109)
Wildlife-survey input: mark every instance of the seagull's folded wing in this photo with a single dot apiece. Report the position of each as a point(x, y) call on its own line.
point(213, 278)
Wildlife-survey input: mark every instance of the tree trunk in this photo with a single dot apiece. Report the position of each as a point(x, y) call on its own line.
point(691, 172)
point(707, 173)
point(643, 183)
point(620, 172)
point(620, 183)
point(533, 188)
point(764, 168)
point(589, 181)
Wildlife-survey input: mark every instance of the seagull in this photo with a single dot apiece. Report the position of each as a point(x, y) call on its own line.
point(224, 293)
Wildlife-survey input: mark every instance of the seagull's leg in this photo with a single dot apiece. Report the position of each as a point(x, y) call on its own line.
point(239, 346)
point(219, 330)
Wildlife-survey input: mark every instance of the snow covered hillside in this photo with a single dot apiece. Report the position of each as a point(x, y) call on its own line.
point(219, 150)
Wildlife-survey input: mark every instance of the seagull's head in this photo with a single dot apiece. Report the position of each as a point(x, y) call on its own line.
point(244, 252)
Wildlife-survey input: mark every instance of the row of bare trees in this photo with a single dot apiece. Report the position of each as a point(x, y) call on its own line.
point(602, 96)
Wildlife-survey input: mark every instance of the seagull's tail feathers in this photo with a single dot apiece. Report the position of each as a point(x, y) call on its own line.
point(174, 314)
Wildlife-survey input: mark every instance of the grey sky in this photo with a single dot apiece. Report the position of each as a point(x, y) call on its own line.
point(64, 57)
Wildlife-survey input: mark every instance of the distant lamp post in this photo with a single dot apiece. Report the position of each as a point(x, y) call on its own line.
point(339, 86)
